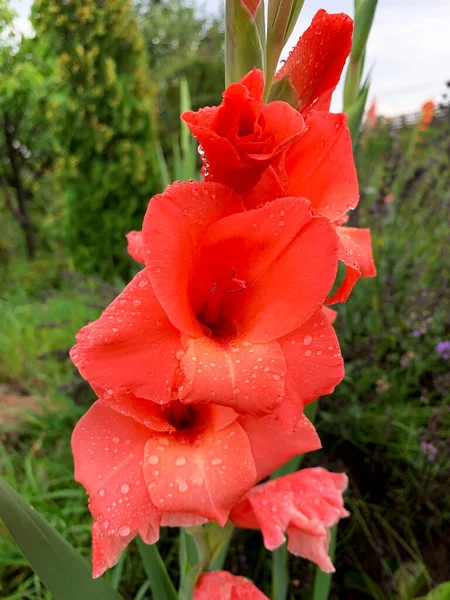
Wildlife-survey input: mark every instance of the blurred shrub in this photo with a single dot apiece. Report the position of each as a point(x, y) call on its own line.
point(101, 114)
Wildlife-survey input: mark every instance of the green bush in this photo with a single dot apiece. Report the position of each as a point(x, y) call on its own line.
point(101, 113)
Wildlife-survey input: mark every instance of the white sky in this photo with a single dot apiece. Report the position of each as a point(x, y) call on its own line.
point(409, 48)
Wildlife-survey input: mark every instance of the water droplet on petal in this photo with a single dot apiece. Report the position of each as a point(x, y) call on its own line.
point(153, 460)
point(180, 461)
point(307, 340)
point(125, 488)
point(124, 531)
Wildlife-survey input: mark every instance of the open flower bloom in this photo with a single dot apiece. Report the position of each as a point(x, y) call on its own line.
point(173, 465)
point(228, 310)
point(309, 158)
point(304, 505)
point(243, 136)
point(221, 585)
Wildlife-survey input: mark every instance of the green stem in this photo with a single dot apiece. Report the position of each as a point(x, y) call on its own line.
point(280, 573)
point(220, 550)
point(158, 577)
point(322, 581)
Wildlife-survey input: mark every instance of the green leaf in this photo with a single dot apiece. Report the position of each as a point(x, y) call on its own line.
point(283, 90)
point(62, 569)
point(442, 592)
point(163, 168)
point(364, 15)
point(160, 582)
point(219, 539)
point(322, 581)
point(356, 112)
point(244, 40)
point(282, 17)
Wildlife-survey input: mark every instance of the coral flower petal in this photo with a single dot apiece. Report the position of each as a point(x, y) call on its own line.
point(304, 505)
point(203, 474)
point(246, 377)
point(287, 257)
point(282, 447)
point(315, 65)
point(330, 314)
point(131, 348)
point(221, 585)
point(355, 251)
point(174, 225)
point(285, 123)
point(320, 166)
point(135, 249)
point(313, 358)
point(108, 451)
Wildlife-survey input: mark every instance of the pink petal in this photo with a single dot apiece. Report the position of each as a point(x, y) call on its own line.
point(279, 250)
point(202, 474)
point(313, 358)
point(221, 585)
point(305, 505)
point(282, 447)
point(135, 249)
point(355, 251)
point(108, 451)
point(131, 348)
point(320, 166)
point(248, 378)
point(174, 225)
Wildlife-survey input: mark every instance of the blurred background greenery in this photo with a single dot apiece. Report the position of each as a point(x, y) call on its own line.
point(89, 114)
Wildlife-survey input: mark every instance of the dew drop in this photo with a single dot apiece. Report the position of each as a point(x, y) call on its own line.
point(101, 493)
point(217, 461)
point(153, 460)
point(180, 461)
point(116, 440)
point(124, 531)
point(125, 488)
point(307, 340)
point(308, 353)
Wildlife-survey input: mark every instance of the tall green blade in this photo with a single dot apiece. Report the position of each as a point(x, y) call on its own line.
point(160, 582)
point(63, 570)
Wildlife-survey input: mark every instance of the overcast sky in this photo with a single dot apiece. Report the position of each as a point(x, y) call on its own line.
point(409, 48)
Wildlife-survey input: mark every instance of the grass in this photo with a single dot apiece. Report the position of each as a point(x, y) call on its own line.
point(393, 404)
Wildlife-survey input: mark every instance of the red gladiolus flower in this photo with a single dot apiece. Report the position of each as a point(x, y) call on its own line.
point(240, 138)
point(227, 310)
point(184, 466)
point(315, 65)
point(267, 151)
point(304, 505)
point(221, 585)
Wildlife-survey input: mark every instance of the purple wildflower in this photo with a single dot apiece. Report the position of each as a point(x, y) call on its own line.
point(429, 450)
point(416, 333)
point(443, 349)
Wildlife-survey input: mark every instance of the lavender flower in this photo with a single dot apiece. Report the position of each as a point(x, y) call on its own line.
point(416, 333)
point(443, 349)
point(429, 450)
